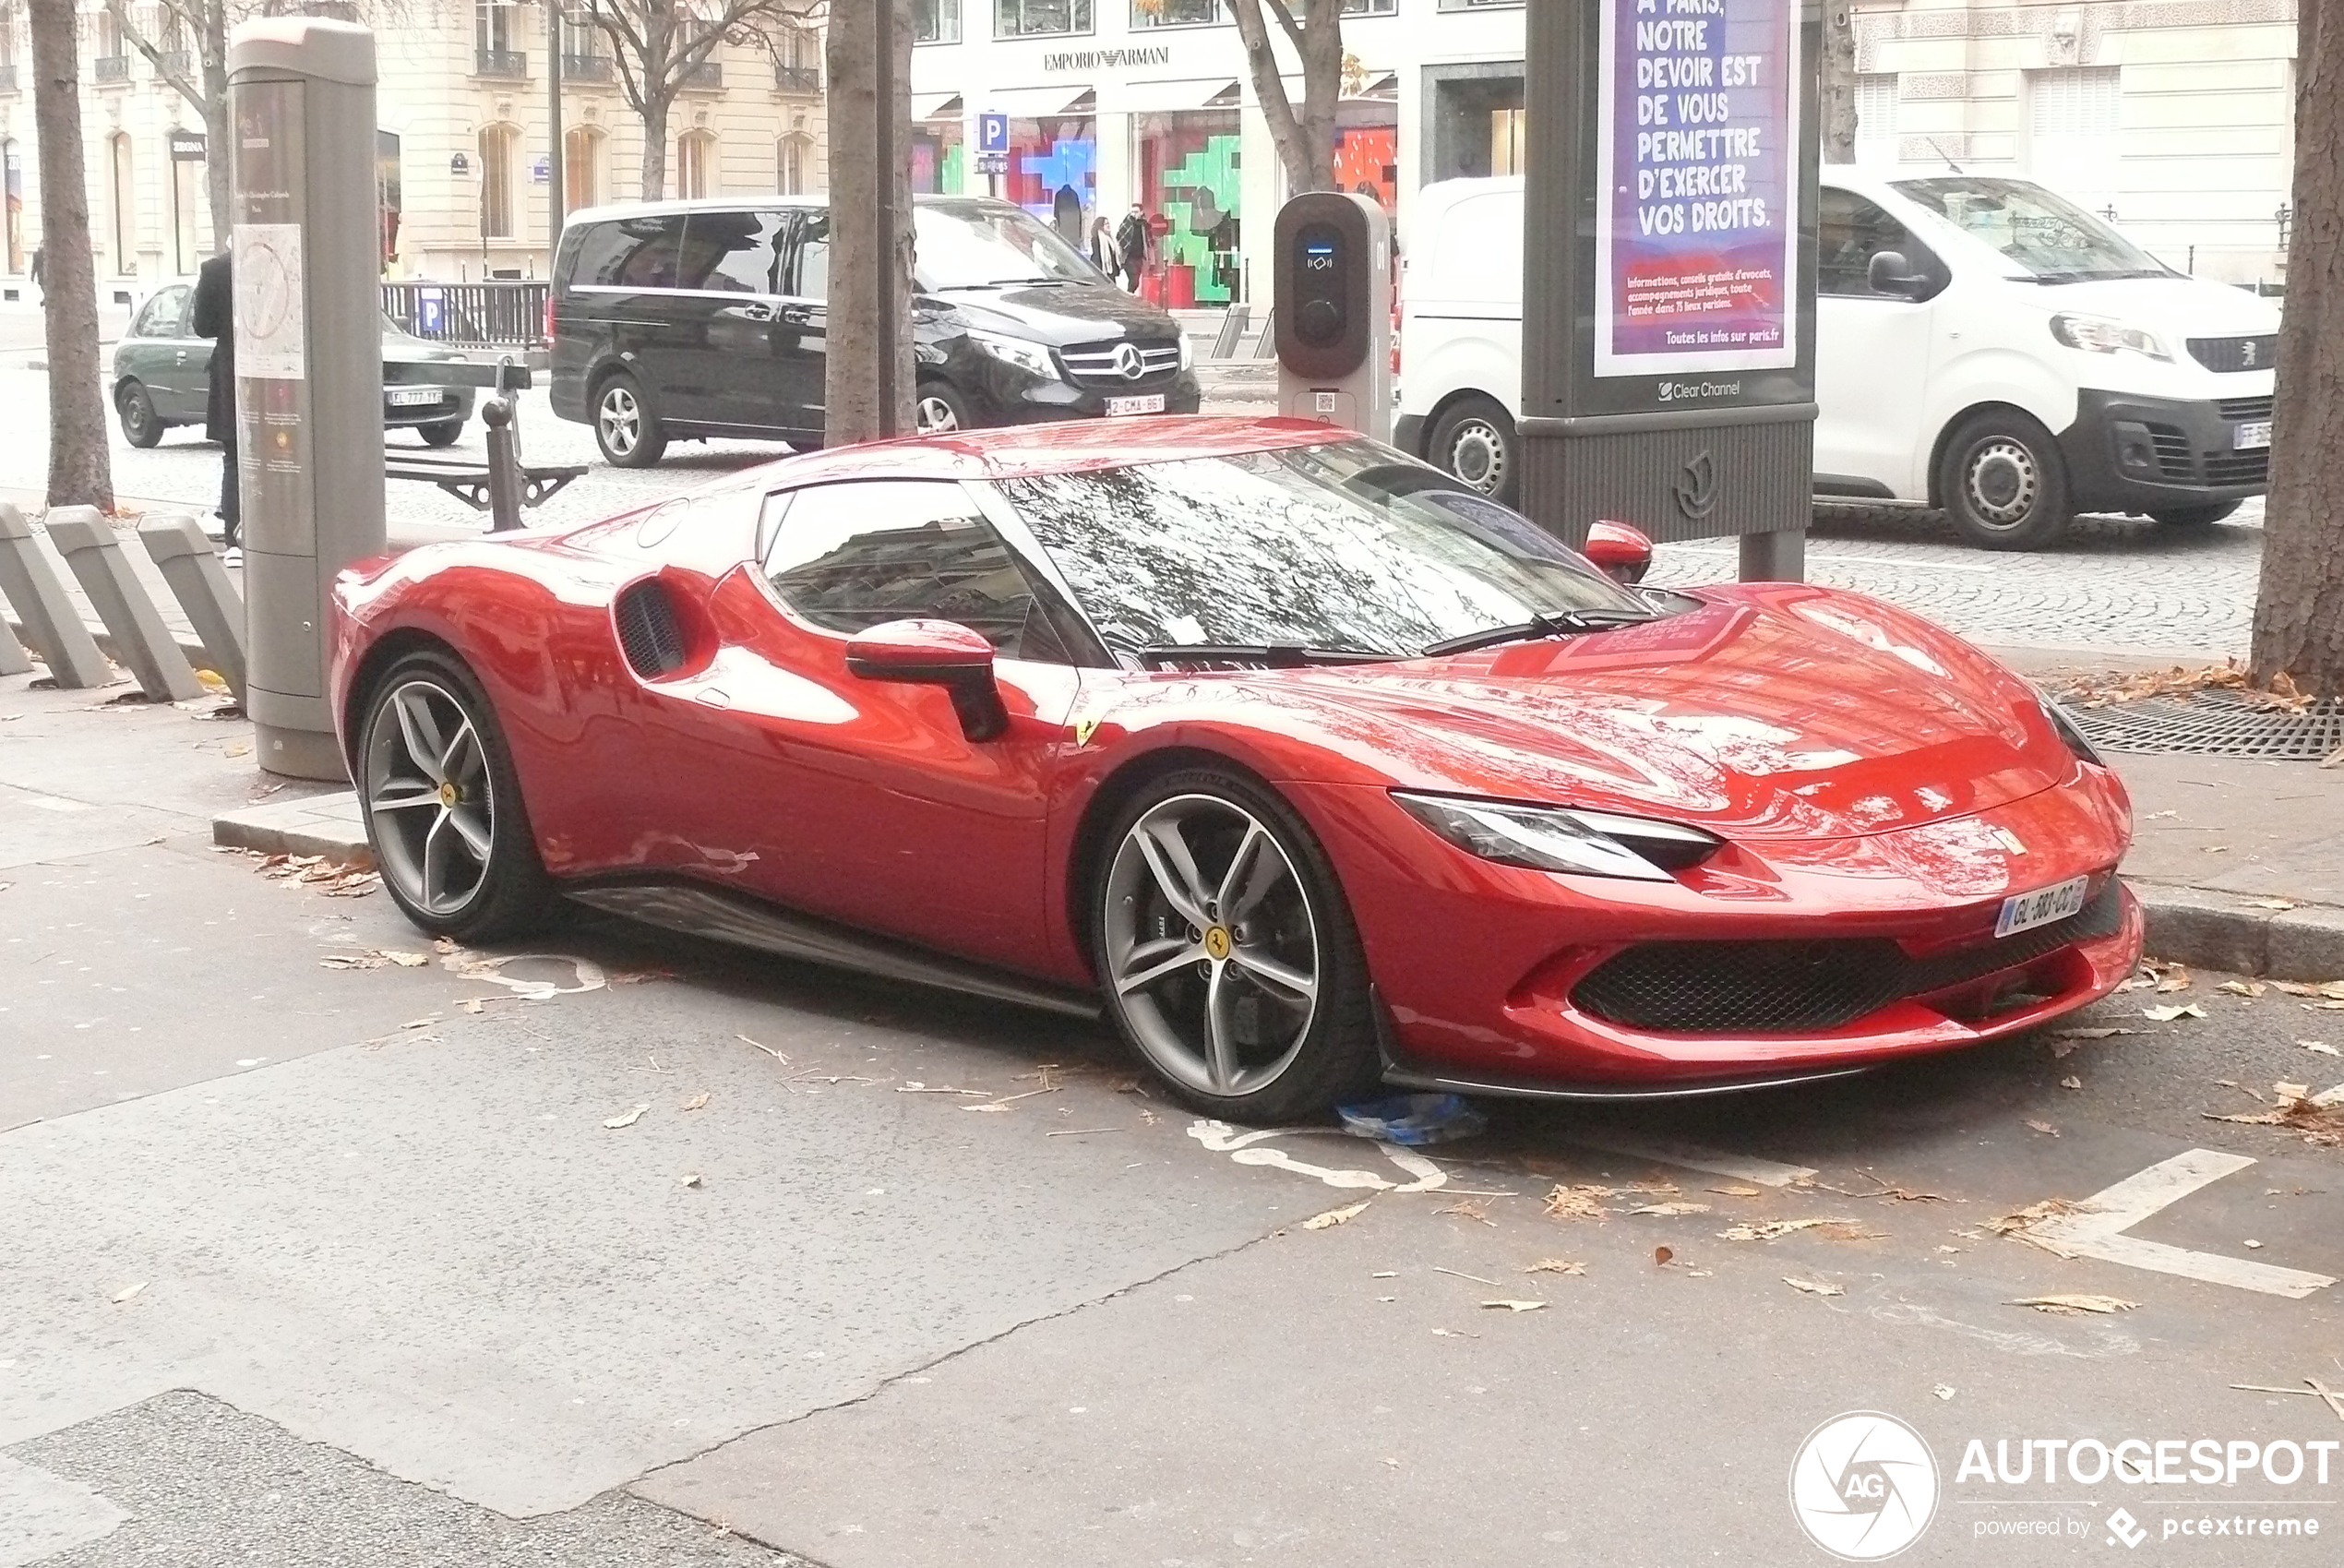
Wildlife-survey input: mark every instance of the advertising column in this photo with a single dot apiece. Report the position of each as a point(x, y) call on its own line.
point(1668, 281)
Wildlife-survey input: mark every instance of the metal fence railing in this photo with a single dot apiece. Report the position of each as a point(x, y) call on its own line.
point(491, 315)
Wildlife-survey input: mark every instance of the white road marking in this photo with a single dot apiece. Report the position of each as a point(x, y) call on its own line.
point(42, 1514)
point(1223, 1139)
point(1692, 1156)
point(2098, 1231)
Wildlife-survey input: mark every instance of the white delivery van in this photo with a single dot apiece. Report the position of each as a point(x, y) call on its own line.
point(1983, 345)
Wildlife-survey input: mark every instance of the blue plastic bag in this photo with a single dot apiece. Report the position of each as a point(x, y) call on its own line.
point(1412, 1119)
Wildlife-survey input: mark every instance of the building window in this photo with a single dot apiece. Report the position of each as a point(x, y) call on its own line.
point(1369, 8)
point(1027, 18)
point(495, 35)
point(1053, 171)
point(1178, 13)
point(123, 208)
point(1876, 117)
point(935, 21)
point(940, 162)
point(2072, 115)
point(1192, 185)
point(12, 188)
point(695, 155)
point(792, 156)
point(1478, 4)
point(581, 167)
point(498, 147)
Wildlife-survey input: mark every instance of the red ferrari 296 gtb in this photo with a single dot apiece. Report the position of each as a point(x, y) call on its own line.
point(1309, 769)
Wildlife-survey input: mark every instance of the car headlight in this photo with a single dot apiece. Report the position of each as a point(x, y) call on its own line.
point(2077, 740)
point(2099, 334)
point(1553, 838)
point(1188, 350)
point(1026, 356)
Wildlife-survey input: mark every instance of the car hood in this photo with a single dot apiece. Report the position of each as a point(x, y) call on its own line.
point(1781, 711)
point(1059, 315)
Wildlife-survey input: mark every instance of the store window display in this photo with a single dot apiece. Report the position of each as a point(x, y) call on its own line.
point(1191, 181)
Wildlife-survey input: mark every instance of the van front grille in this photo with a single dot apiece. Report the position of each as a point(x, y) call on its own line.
point(2226, 354)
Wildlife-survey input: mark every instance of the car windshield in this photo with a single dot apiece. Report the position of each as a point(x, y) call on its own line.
point(2053, 239)
point(985, 247)
point(1342, 546)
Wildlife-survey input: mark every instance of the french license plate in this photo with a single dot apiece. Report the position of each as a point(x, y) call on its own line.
point(412, 397)
point(2251, 435)
point(2025, 910)
point(1152, 402)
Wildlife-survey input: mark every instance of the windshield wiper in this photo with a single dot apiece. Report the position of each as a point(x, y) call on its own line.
point(1277, 656)
point(1557, 623)
point(1002, 283)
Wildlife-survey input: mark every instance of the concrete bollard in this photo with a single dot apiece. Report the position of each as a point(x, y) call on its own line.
point(85, 540)
point(190, 564)
point(12, 659)
point(51, 623)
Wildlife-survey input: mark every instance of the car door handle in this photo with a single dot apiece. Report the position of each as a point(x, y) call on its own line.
point(799, 316)
point(757, 313)
point(183, 356)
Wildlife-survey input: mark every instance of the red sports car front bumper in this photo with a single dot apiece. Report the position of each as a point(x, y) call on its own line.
point(1770, 960)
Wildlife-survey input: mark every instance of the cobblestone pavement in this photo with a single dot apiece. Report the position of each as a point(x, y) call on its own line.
point(2120, 583)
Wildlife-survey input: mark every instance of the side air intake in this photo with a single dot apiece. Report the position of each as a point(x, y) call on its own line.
point(648, 631)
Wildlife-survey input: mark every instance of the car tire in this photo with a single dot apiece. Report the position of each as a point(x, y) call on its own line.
point(939, 408)
point(2195, 517)
point(446, 820)
point(141, 425)
point(447, 433)
point(1269, 1016)
point(626, 426)
point(1475, 440)
point(2005, 483)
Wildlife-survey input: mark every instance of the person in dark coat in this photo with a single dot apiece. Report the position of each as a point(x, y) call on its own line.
point(215, 317)
point(1131, 245)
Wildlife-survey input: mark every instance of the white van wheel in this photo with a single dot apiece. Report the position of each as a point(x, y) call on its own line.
point(1475, 440)
point(2004, 484)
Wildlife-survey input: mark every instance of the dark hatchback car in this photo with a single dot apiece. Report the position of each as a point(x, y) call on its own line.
point(163, 377)
point(694, 319)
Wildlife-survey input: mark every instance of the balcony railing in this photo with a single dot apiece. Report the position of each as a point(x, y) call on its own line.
point(585, 68)
point(179, 60)
point(500, 63)
point(110, 68)
point(805, 80)
point(705, 76)
point(8, 76)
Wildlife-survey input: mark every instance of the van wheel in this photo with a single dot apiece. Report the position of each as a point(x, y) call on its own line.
point(2194, 517)
point(938, 408)
point(625, 426)
point(2003, 482)
point(1475, 439)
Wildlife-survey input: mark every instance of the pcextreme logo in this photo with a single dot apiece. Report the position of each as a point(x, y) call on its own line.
point(1863, 1486)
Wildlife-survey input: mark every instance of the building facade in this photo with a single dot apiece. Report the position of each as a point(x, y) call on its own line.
point(2173, 113)
point(461, 118)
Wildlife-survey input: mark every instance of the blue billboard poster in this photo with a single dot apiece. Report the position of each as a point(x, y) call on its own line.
point(1697, 133)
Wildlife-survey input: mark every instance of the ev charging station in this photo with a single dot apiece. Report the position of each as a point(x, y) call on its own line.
point(1333, 317)
point(308, 322)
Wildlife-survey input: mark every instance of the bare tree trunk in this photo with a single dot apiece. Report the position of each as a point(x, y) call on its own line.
point(81, 473)
point(2299, 612)
point(217, 147)
point(1836, 98)
point(654, 145)
point(1305, 141)
point(871, 273)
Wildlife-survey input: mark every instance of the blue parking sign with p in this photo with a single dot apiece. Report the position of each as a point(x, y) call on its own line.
point(992, 133)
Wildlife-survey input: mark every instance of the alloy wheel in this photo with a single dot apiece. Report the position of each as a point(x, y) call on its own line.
point(1477, 455)
point(934, 416)
point(429, 797)
point(621, 420)
point(1212, 946)
point(2001, 481)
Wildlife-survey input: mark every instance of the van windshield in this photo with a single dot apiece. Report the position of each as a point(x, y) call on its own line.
point(990, 247)
point(2054, 240)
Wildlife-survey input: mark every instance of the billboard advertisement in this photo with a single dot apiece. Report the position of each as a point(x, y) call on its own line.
point(1698, 144)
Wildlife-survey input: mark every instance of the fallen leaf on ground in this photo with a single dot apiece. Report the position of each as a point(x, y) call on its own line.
point(2252, 1246)
point(127, 1291)
point(1944, 1391)
point(2320, 1045)
point(1333, 1217)
point(1453, 1334)
point(2045, 1128)
point(692, 1180)
point(1669, 1211)
point(2281, 903)
point(1739, 1192)
point(1469, 1210)
point(1767, 1229)
point(2095, 1033)
point(1815, 1287)
point(2320, 1117)
point(2071, 1305)
point(698, 1102)
point(2071, 1082)
point(636, 977)
point(2242, 987)
point(2167, 1015)
point(1557, 1265)
point(2332, 989)
point(1572, 1203)
point(405, 960)
point(626, 1119)
point(2175, 978)
point(2019, 1222)
point(1661, 1255)
point(1515, 1306)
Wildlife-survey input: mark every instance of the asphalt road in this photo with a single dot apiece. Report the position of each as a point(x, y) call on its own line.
point(312, 1265)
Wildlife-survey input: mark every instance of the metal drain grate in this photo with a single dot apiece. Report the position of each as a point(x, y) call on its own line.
point(2214, 724)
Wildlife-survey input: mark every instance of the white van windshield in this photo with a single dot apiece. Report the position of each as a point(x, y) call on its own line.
point(991, 248)
point(2053, 239)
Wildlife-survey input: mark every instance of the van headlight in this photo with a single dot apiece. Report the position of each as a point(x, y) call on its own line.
point(2099, 334)
point(1030, 357)
point(1188, 350)
point(1551, 838)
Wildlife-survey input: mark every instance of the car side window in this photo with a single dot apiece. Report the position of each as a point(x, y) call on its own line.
point(1849, 231)
point(165, 317)
point(732, 252)
point(853, 555)
point(632, 253)
point(807, 272)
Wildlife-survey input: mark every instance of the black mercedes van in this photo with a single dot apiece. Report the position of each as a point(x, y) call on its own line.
point(694, 319)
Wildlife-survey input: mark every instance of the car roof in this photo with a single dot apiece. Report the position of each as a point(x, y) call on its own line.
point(815, 201)
point(1075, 446)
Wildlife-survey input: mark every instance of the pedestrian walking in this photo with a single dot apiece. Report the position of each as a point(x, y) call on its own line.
point(40, 269)
point(1131, 245)
point(215, 317)
point(1103, 251)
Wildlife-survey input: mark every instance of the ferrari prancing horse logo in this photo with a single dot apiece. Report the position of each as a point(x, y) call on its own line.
point(1216, 944)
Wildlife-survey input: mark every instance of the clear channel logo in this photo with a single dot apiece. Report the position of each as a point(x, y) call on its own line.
point(1863, 1486)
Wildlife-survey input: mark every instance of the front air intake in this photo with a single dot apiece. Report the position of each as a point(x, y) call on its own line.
point(648, 631)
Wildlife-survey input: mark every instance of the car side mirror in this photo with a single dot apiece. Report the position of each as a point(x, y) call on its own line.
point(933, 652)
point(1889, 273)
point(1623, 552)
